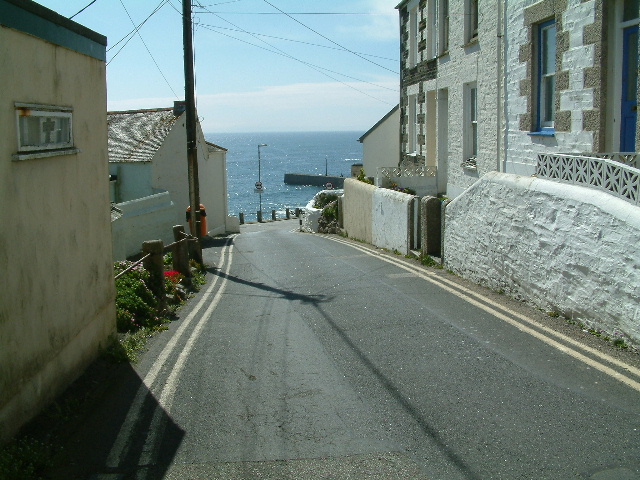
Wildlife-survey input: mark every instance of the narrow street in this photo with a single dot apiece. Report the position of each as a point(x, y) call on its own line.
point(316, 357)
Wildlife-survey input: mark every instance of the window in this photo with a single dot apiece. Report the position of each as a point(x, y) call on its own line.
point(546, 75)
point(43, 127)
point(432, 29)
point(413, 36)
point(471, 23)
point(471, 120)
point(413, 124)
point(444, 26)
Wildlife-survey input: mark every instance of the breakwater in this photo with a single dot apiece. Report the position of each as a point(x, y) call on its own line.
point(314, 180)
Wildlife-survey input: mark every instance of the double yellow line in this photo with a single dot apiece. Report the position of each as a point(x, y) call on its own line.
point(604, 363)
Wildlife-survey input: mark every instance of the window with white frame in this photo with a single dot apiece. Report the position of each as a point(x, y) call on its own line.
point(412, 146)
point(413, 35)
point(443, 10)
point(471, 121)
point(546, 78)
point(43, 127)
point(432, 29)
point(471, 20)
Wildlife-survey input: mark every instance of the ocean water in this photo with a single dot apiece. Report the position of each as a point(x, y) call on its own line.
point(293, 152)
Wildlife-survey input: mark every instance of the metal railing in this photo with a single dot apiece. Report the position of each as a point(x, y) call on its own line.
point(615, 173)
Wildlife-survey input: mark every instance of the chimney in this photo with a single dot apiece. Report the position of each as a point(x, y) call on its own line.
point(179, 107)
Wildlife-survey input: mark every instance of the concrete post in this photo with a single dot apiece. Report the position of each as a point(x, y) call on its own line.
point(259, 215)
point(273, 215)
point(181, 252)
point(287, 213)
point(154, 264)
point(241, 217)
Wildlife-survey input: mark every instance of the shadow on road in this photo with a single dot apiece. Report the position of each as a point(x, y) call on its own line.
point(84, 425)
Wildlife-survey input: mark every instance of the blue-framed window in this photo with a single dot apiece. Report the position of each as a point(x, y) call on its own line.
point(546, 78)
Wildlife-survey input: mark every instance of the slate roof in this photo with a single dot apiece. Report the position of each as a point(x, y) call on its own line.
point(136, 135)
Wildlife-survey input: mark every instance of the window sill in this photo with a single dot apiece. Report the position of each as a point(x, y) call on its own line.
point(543, 133)
point(470, 42)
point(18, 157)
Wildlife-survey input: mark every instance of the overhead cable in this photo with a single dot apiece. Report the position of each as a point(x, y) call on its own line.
point(82, 9)
point(328, 39)
point(149, 51)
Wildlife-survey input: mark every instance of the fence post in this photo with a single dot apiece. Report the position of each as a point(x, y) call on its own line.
point(154, 264)
point(181, 252)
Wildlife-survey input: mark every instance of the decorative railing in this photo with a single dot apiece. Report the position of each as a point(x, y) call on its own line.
point(612, 173)
point(407, 171)
point(628, 158)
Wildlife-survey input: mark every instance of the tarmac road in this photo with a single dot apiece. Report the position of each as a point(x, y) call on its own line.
point(315, 357)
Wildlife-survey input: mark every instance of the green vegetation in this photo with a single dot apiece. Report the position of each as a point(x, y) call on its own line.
point(428, 261)
point(25, 458)
point(361, 176)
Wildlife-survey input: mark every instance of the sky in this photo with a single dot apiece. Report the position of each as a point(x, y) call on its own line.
point(260, 65)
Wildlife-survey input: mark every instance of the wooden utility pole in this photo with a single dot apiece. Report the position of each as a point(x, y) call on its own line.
point(190, 116)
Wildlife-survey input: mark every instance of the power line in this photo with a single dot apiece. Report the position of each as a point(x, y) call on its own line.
point(83, 9)
point(327, 38)
point(321, 70)
point(130, 35)
point(300, 41)
point(148, 51)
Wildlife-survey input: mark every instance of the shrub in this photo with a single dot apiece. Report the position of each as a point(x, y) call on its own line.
point(135, 303)
point(324, 199)
point(363, 178)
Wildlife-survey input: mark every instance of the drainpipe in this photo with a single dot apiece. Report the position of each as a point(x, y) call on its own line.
point(499, 85)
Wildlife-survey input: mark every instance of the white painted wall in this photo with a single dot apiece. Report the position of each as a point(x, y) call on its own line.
point(57, 298)
point(377, 215)
point(169, 172)
point(143, 219)
point(381, 147)
point(391, 228)
point(564, 248)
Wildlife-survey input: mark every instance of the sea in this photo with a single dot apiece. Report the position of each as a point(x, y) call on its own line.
point(330, 153)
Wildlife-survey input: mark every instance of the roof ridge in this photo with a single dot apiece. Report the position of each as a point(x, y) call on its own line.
point(146, 110)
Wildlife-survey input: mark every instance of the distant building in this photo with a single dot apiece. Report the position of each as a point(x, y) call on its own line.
point(149, 177)
point(381, 144)
point(57, 301)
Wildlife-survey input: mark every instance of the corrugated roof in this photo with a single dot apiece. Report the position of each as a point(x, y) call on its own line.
point(136, 135)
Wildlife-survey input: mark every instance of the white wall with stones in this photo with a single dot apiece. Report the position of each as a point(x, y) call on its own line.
point(564, 248)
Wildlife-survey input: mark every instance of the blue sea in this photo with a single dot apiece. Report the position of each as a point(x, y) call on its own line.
point(332, 153)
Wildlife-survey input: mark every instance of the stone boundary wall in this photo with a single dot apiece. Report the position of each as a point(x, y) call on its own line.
point(377, 215)
point(564, 248)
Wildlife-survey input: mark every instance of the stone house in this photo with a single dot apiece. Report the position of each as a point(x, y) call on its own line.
point(57, 301)
point(571, 79)
point(149, 181)
point(488, 86)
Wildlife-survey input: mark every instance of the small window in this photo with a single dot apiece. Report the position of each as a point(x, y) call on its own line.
point(413, 124)
point(471, 24)
point(444, 26)
point(413, 36)
point(472, 121)
point(42, 128)
point(546, 75)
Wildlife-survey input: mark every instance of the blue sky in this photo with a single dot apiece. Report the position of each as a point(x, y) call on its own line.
point(328, 65)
